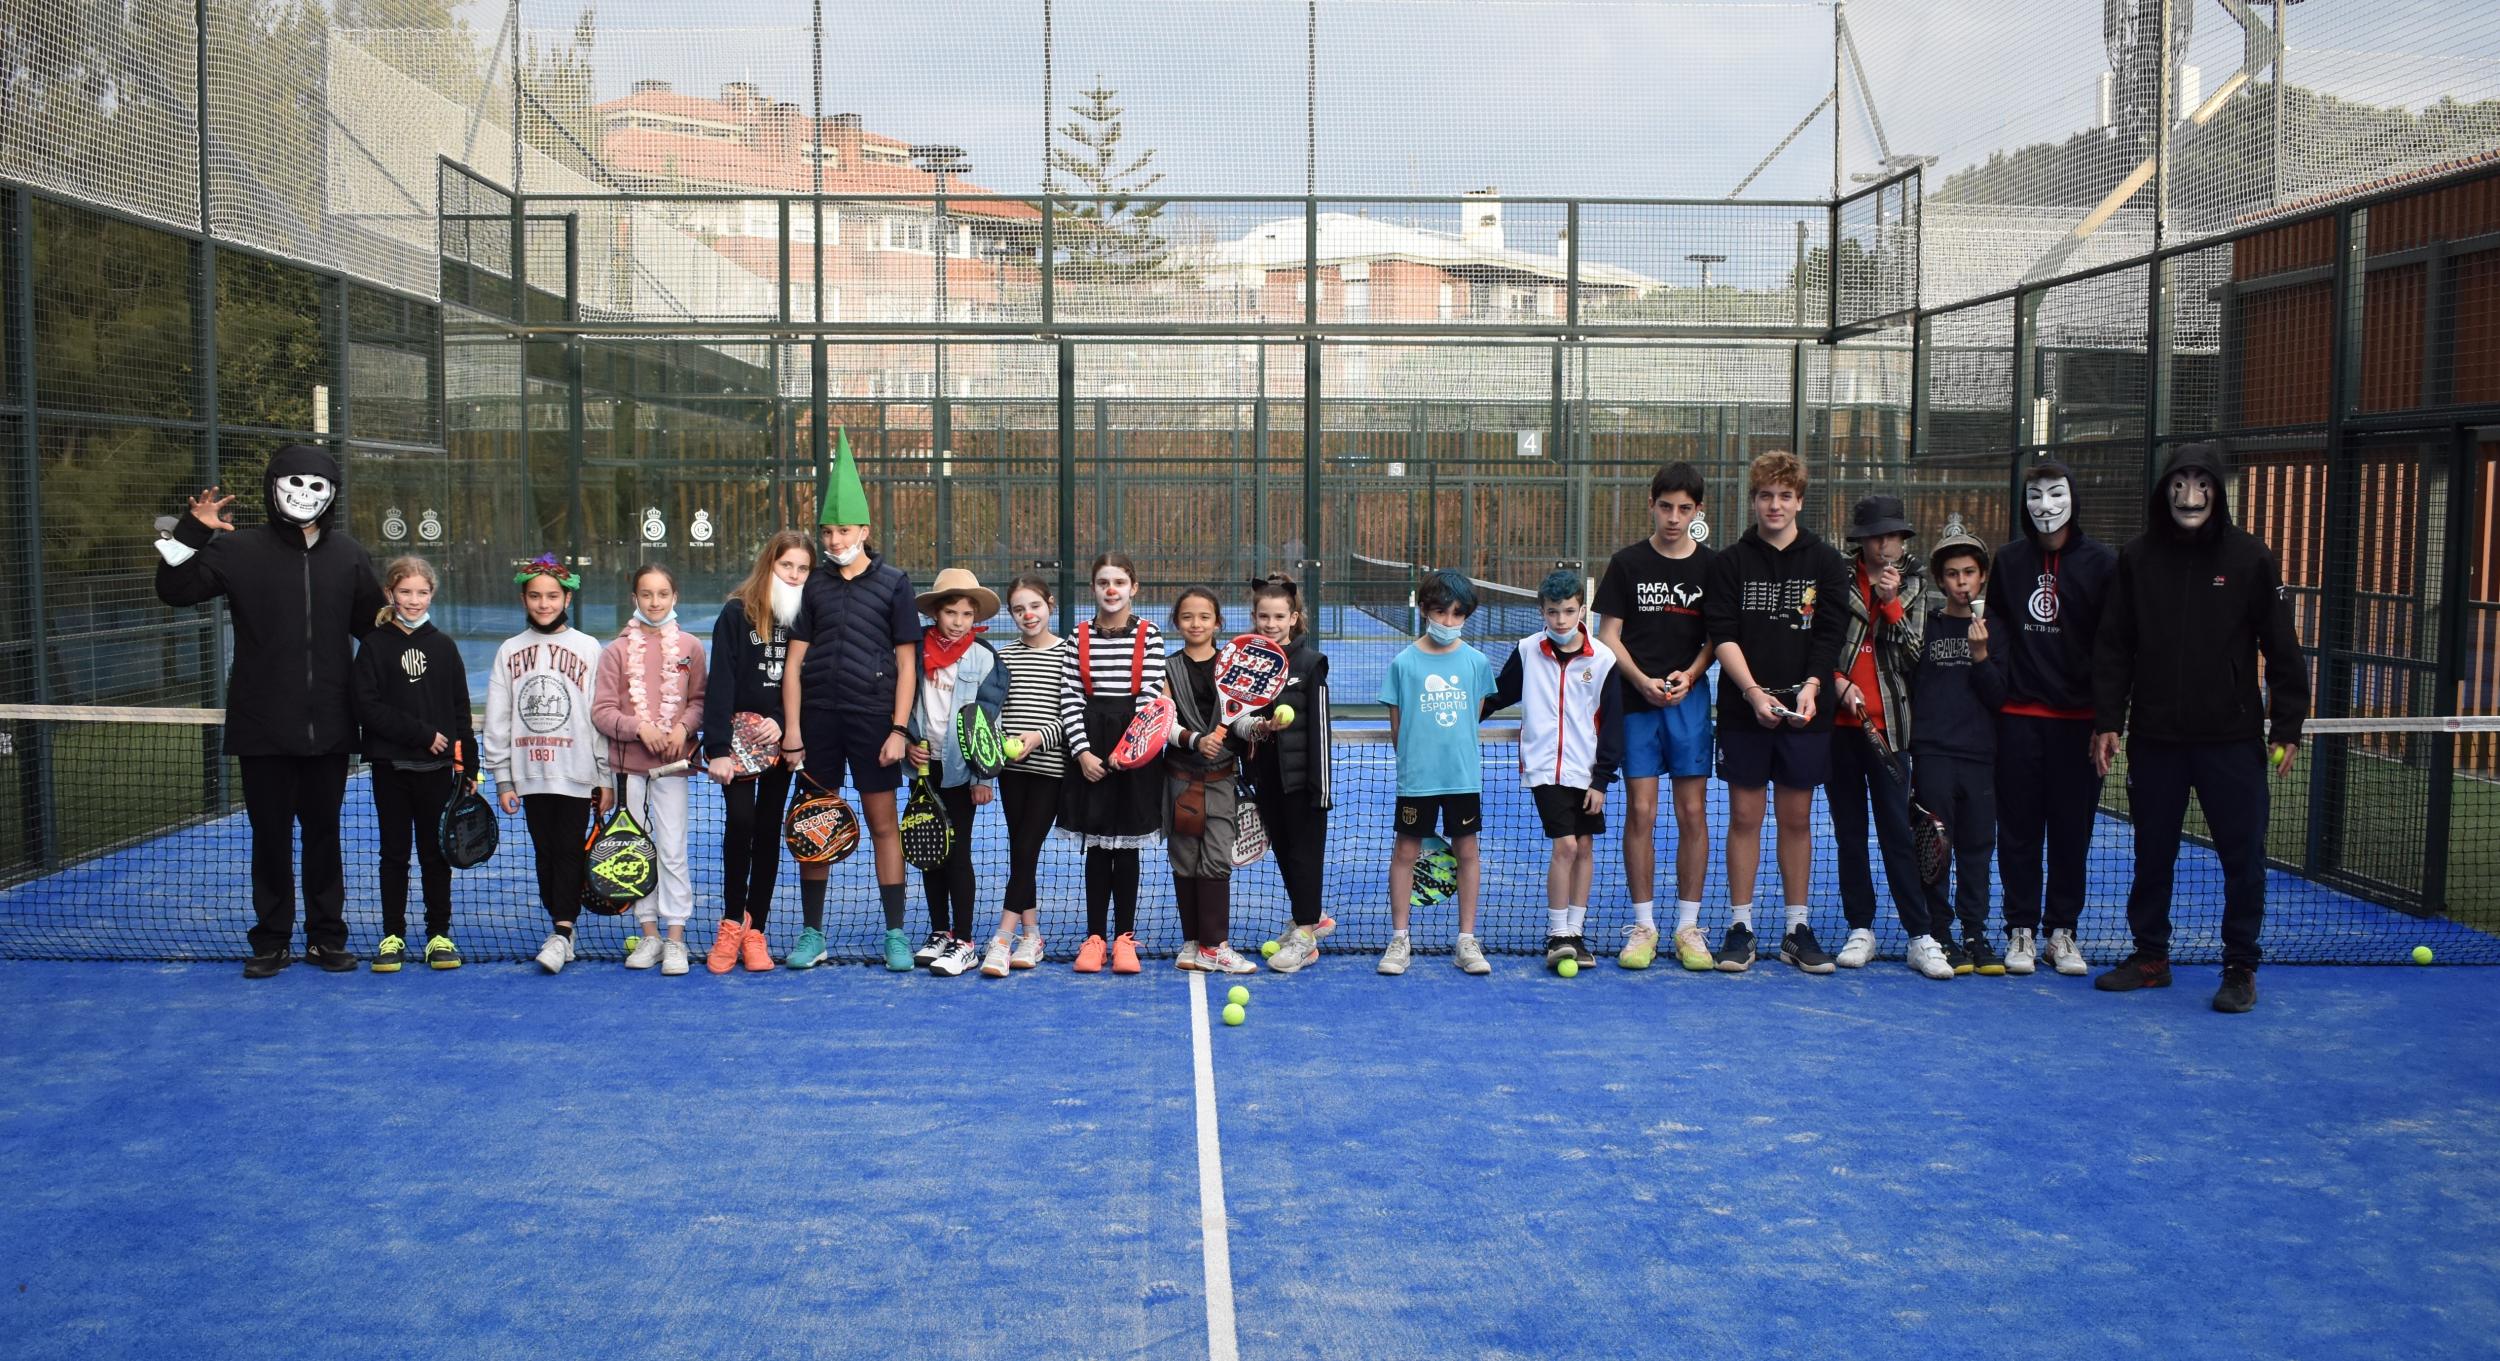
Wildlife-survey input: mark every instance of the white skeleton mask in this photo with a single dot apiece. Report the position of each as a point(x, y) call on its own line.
point(2191, 498)
point(302, 497)
point(2050, 502)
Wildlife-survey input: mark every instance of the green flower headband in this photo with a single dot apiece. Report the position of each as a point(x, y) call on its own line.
point(548, 565)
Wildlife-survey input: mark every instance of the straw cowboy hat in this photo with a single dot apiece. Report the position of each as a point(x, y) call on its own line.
point(955, 581)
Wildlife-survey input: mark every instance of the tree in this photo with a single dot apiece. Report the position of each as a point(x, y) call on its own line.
point(556, 119)
point(1113, 235)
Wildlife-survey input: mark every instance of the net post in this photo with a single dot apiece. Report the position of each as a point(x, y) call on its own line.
point(2323, 848)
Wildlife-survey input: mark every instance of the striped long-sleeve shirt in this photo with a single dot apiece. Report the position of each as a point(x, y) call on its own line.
point(1117, 670)
point(1033, 704)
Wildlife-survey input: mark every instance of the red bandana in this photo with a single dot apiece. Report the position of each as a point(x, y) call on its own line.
point(943, 654)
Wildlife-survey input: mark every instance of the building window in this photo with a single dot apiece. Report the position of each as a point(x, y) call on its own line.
point(1358, 300)
point(907, 233)
point(1449, 301)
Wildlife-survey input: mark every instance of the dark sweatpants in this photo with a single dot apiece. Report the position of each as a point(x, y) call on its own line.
point(2230, 783)
point(950, 886)
point(1297, 833)
point(2046, 792)
point(279, 794)
point(409, 804)
point(558, 825)
point(1032, 805)
point(1962, 791)
point(1859, 778)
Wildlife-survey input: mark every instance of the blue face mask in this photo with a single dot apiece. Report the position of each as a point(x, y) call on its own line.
point(412, 625)
point(1563, 638)
point(1444, 634)
point(662, 622)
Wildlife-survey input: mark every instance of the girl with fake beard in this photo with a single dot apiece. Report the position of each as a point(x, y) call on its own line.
point(750, 649)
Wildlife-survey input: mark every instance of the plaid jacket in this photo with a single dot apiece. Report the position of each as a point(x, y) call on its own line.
point(1898, 646)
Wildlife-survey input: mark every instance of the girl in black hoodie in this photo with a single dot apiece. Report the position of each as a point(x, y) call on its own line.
point(1289, 771)
point(412, 695)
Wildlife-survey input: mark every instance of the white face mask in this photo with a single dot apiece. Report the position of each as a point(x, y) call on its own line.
point(302, 497)
point(2191, 499)
point(785, 602)
point(843, 557)
point(2050, 502)
point(662, 622)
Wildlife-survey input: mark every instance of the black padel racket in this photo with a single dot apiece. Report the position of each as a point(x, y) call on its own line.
point(623, 862)
point(820, 828)
point(467, 830)
point(927, 836)
point(1929, 838)
point(754, 743)
point(977, 738)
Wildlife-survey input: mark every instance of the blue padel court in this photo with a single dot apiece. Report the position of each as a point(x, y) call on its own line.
point(494, 1163)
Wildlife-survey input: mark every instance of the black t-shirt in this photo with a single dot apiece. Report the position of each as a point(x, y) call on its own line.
point(1658, 598)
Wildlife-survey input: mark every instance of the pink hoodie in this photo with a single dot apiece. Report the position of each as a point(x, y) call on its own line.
point(666, 689)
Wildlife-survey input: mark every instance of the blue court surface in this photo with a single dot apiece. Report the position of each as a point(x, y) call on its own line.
point(845, 1163)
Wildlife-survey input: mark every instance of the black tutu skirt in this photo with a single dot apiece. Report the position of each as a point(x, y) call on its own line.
point(1124, 807)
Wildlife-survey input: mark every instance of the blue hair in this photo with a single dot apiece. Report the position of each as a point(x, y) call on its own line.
point(1445, 590)
point(1561, 584)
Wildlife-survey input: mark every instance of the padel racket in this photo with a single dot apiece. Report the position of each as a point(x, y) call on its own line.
point(977, 739)
point(1249, 829)
point(1249, 674)
point(820, 829)
point(927, 836)
point(1929, 837)
point(623, 863)
point(754, 743)
point(467, 831)
point(1436, 874)
point(1148, 730)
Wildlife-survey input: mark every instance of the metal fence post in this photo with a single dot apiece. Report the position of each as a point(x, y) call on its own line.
point(2336, 616)
point(35, 799)
point(1067, 484)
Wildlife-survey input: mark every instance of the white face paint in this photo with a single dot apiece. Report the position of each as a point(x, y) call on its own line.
point(2050, 502)
point(302, 497)
point(2191, 498)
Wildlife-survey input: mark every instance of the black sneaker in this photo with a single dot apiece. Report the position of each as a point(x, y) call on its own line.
point(337, 959)
point(1799, 947)
point(1984, 959)
point(1956, 956)
point(2238, 992)
point(1580, 950)
point(1735, 952)
point(2133, 972)
point(1558, 949)
point(268, 965)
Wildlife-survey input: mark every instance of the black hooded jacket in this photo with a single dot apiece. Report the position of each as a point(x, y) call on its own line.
point(297, 611)
point(2044, 609)
point(2188, 617)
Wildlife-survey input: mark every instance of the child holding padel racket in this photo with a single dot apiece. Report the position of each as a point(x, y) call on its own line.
point(1290, 779)
point(548, 762)
point(962, 686)
point(1029, 786)
point(648, 702)
point(412, 696)
point(1202, 768)
point(742, 694)
point(1114, 668)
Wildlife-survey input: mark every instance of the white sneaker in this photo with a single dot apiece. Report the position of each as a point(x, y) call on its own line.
point(1470, 957)
point(647, 953)
point(556, 953)
point(1225, 959)
point(998, 961)
point(2021, 956)
point(1028, 952)
point(959, 957)
point(1928, 958)
point(2066, 956)
point(1187, 958)
point(1858, 949)
point(672, 958)
point(931, 948)
point(1300, 948)
point(1393, 961)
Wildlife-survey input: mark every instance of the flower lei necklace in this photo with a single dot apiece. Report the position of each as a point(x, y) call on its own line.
point(672, 675)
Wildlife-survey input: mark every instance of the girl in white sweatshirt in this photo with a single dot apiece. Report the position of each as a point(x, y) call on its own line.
point(539, 746)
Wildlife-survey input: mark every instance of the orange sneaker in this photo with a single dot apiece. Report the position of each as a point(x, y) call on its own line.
point(1089, 957)
point(1124, 954)
point(724, 955)
point(756, 953)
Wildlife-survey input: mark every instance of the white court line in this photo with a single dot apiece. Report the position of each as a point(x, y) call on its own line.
point(1222, 1344)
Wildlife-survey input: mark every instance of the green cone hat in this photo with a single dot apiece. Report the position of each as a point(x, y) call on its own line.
point(846, 501)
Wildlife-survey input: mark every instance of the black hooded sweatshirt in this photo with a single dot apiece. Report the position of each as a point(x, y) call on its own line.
point(2045, 610)
point(1787, 608)
point(2188, 616)
point(297, 612)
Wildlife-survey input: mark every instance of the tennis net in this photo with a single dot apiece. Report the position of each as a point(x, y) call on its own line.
point(122, 836)
point(1384, 589)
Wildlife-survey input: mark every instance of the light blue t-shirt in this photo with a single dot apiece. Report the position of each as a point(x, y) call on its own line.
point(1439, 700)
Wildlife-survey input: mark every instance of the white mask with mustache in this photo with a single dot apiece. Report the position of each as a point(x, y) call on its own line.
point(2050, 502)
point(2191, 499)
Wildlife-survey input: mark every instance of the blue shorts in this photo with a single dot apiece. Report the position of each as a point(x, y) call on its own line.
point(1674, 742)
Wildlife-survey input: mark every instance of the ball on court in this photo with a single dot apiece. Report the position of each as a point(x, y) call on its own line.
point(1239, 996)
point(1233, 1014)
point(1284, 715)
point(1015, 748)
point(1267, 949)
point(1569, 968)
point(2421, 954)
point(632, 943)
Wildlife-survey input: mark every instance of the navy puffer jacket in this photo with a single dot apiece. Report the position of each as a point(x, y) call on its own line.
point(851, 627)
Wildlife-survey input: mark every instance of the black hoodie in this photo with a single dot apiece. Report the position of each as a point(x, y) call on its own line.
point(2044, 609)
point(297, 611)
point(2187, 618)
point(1786, 608)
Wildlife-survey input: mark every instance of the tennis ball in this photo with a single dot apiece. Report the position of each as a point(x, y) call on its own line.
point(1284, 715)
point(1569, 968)
point(632, 943)
point(1015, 748)
point(2421, 954)
point(1267, 949)
point(1234, 1015)
point(1239, 996)
point(2275, 753)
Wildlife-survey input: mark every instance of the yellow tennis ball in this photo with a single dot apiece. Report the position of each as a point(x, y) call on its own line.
point(1239, 996)
point(1234, 1015)
point(1268, 949)
point(1015, 748)
point(1569, 968)
point(1284, 715)
point(2421, 954)
point(632, 943)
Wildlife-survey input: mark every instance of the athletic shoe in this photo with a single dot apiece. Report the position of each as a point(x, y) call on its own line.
point(646, 951)
point(1735, 954)
point(1124, 954)
point(1640, 947)
point(673, 959)
point(1321, 928)
point(958, 958)
point(1955, 955)
point(1028, 952)
point(1558, 949)
point(1799, 947)
point(1186, 958)
point(1928, 958)
point(2133, 972)
point(726, 943)
point(390, 955)
point(1089, 955)
point(1580, 950)
point(2020, 954)
point(1692, 950)
point(995, 962)
point(897, 951)
point(440, 953)
point(1857, 949)
point(2065, 956)
point(2238, 992)
point(268, 965)
point(1393, 960)
point(1225, 959)
point(556, 952)
point(1984, 959)
point(1470, 957)
point(755, 952)
point(808, 952)
point(332, 960)
point(931, 948)
point(1300, 947)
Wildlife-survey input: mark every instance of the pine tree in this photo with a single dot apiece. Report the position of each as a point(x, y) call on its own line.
point(1115, 236)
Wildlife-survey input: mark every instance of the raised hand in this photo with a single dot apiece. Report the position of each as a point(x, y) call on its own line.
point(210, 509)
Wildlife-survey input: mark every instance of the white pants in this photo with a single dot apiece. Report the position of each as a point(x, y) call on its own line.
point(672, 897)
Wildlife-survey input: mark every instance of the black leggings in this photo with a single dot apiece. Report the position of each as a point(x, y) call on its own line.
point(557, 824)
point(1297, 831)
point(1032, 806)
point(750, 852)
point(1110, 875)
point(410, 806)
point(1206, 909)
point(950, 885)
